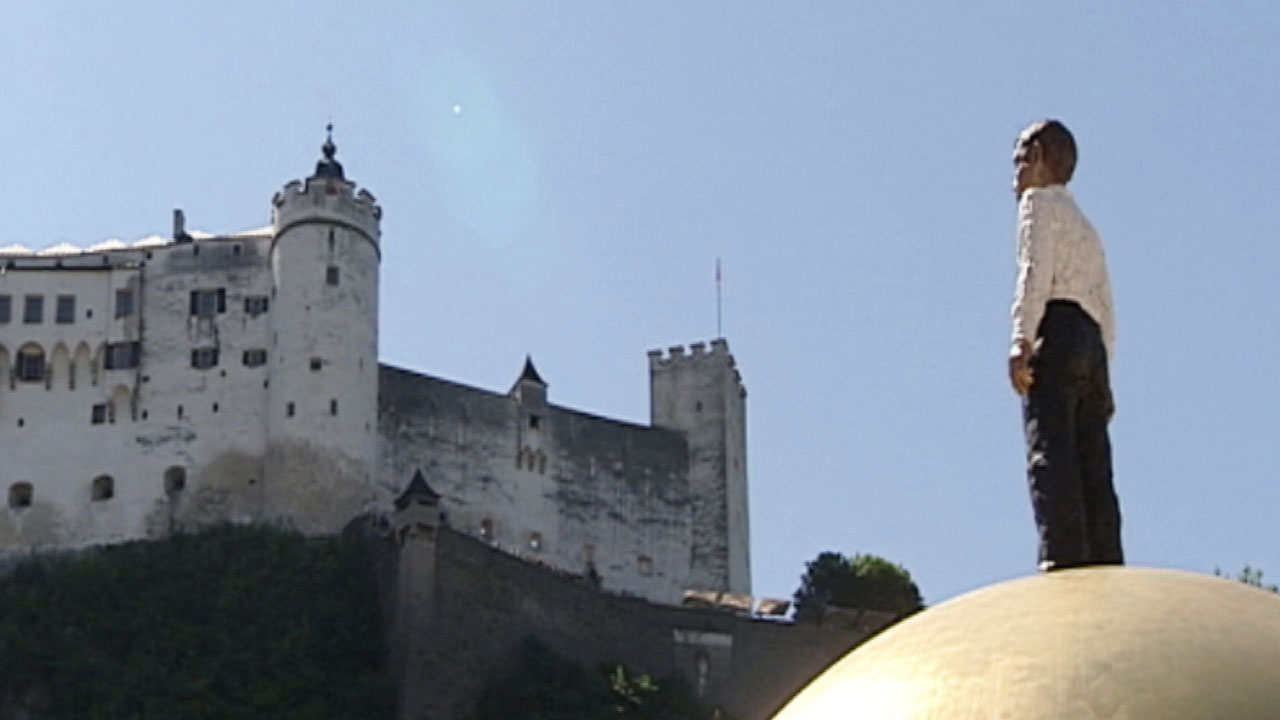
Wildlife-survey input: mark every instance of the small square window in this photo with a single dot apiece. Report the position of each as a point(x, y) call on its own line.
point(122, 356)
point(255, 305)
point(204, 358)
point(98, 414)
point(534, 421)
point(535, 541)
point(645, 564)
point(331, 275)
point(207, 303)
point(65, 312)
point(254, 358)
point(289, 409)
point(6, 308)
point(124, 303)
point(20, 495)
point(33, 310)
point(315, 364)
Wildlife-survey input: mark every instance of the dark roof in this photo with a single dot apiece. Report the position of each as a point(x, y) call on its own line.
point(417, 487)
point(530, 373)
point(328, 167)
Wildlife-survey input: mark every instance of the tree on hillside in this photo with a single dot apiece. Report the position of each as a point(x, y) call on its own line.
point(1250, 576)
point(863, 582)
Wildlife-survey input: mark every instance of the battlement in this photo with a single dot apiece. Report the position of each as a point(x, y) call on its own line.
point(327, 199)
point(696, 352)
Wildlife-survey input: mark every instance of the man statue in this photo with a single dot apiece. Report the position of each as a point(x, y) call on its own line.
point(1063, 335)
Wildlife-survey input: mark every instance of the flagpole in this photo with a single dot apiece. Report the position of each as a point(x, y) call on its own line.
point(719, 332)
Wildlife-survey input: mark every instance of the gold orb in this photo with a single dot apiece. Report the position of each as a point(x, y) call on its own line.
point(1121, 643)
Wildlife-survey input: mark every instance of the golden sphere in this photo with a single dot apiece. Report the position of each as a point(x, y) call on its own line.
point(1098, 642)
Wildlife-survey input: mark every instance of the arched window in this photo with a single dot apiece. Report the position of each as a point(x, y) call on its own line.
point(20, 495)
point(29, 365)
point(175, 480)
point(104, 488)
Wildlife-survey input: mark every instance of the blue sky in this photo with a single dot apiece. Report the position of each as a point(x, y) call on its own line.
point(559, 177)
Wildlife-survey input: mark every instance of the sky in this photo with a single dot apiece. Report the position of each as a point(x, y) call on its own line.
point(558, 178)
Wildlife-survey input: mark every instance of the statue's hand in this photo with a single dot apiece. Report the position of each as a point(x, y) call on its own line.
point(1020, 367)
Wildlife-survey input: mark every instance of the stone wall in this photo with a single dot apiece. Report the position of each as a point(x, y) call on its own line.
point(483, 602)
point(559, 486)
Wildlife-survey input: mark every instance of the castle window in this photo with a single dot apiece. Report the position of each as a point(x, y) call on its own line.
point(175, 479)
point(29, 365)
point(255, 305)
point(486, 530)
point(333, 407)
point(33, 310)
point(98, 414)
point(20, 495)
point(121, 356)
point(315, 364)
point(254, 358)
point(65, 310)
point(645, 564)
point(207, 303)
point(535, 541)
point(215, 407)
point(6, 308)
point(235, 249)
point(534, 421)
point(204, 358)
point(331, 275)
point(289, 409)
point(179, 412)
point(124, 303)
point(104, 488)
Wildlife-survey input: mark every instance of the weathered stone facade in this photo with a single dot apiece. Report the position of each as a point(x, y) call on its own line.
point(194, 379)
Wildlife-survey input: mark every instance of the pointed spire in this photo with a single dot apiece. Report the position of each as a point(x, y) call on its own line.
point(530, 373)
point(418, 487)
point(328, 167)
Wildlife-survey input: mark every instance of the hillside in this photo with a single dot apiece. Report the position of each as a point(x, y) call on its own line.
point(231, 622)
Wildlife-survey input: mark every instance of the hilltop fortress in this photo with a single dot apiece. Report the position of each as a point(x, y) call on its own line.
point(180, 381)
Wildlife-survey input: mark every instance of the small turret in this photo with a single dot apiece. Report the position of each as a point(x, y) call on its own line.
point(530, 388)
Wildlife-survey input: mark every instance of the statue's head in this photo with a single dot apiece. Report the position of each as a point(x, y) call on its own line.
point(1045, 154)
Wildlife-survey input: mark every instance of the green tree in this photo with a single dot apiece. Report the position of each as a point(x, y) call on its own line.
point(863, 582)
point(1250, 576)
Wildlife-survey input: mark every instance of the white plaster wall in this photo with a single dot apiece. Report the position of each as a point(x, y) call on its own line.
point(60, 451)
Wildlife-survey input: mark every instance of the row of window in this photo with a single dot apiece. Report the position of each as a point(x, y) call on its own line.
point(64, 312)
point(204, 303)
point(103, 487)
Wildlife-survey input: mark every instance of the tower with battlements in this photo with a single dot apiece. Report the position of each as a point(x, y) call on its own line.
point(699, 392)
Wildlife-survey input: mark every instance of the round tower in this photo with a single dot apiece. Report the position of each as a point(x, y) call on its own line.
point(322, 449)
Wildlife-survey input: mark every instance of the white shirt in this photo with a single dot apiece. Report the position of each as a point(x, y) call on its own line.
point(1059, 258)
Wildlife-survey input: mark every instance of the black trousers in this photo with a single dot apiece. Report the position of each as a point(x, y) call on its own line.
point(1068, 451)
